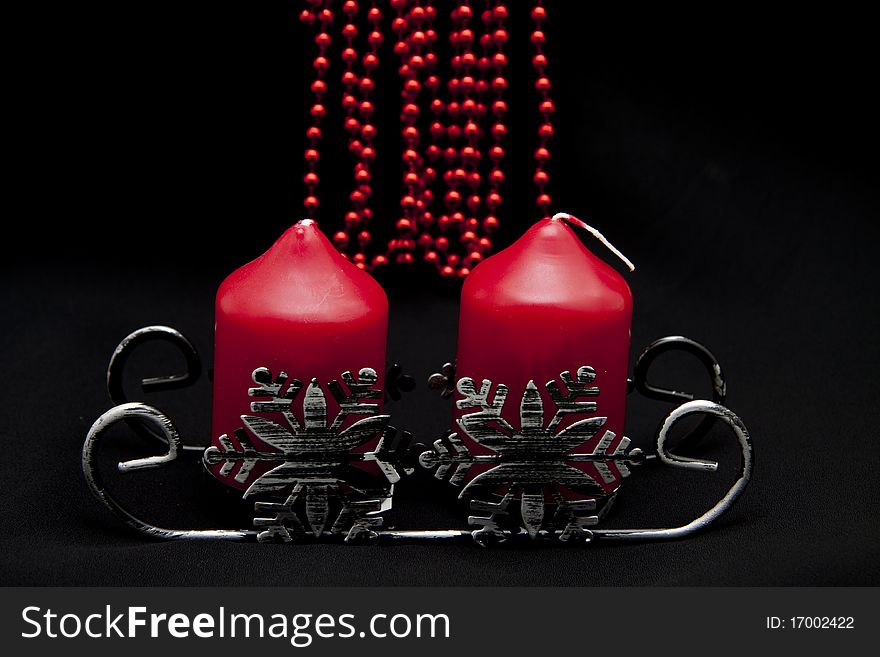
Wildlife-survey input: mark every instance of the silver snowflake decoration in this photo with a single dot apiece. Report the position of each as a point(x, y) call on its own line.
point(533, 462)
point(310, 486)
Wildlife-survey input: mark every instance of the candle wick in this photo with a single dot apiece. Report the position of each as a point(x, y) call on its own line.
point(595, 233)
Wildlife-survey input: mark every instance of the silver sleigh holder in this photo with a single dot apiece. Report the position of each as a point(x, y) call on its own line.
point(316, 460)
point(331, 478)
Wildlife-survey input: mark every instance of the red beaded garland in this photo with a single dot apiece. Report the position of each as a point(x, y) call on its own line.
point(458, 237)
point(545, 107)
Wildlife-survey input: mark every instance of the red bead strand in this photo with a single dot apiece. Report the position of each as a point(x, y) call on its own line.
point(545, 108)
point(317, 14)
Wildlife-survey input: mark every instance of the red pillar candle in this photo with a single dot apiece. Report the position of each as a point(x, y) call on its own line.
point(544, 306)
point(300, 308)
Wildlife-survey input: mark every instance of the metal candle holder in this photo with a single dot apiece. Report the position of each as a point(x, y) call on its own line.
point(532, 481)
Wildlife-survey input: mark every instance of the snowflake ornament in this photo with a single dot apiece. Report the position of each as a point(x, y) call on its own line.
point(535, 463)
point(310, 485)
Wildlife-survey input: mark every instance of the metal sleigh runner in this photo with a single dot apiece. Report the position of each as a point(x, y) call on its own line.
point(313, 474)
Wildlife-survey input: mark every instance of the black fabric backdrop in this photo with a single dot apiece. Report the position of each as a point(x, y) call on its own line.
point(728, 152)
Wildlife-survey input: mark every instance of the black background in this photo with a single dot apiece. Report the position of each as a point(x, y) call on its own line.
point(729, 152)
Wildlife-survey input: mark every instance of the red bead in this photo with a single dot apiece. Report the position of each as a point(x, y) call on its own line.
point(352, 219)
point(318, 111)
point(357, 198)
point(410, 156)
point(349, 102)
point(321, 63)
point(355, 146)
point(469, 106)
point(430, 175)
point(307, 17)
point(490, 224)
point(493, 200)
point(431, 256)
point(432, 82)
point(466, 36)
point(499, 84)
point(417, 13)
point(314, 132)
point(367, 85)
point(452, 198)
point(544, 200)
point(349, 31)
point(457, 218)
point(468, 60)
point(465, 13)
point(473, 180)
point(340, 239)
point(468, 236)
point(499, 130)
point(442, 243)
point(362, 176)
point(406, 258)
point(374, 14)
point(450, 154)
point(499, 108)
point(370, 61)
point(538, 37)
point(417, 62)
point(380, 261)
point(312, 155)
point(399, 25)
point(368, 153)
point(453, 132)
point(375, 39)
point(359, 258)
point(541, 177)
point(411, 178)
point(349, 55)
point(542, 84)
point(368, 131)
point(311, 202)
point(349, 79)
point(412, 86)
point(310, 179)
point(485, 244)
point(467, 84)
point(437, 106)
point(453, 109)
point(539, 13)
point(546, 130)
point(499, 60)
point(539, 61)
point(499, 12)
point(542, 155)
point(547, 107)
point(499, 36)
point(325, 16)
point(407, 202)
point(475, 256)
point(470, 155)
point(473, 202)
point(447, 272)
point(496, 153)
point(404, 225)
point(364, 237)
point(453, 259)
point(433, 152)
point(471, 223)
point(496, 176)
point(417, 38)
point(410, 134)
point(350, 7)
